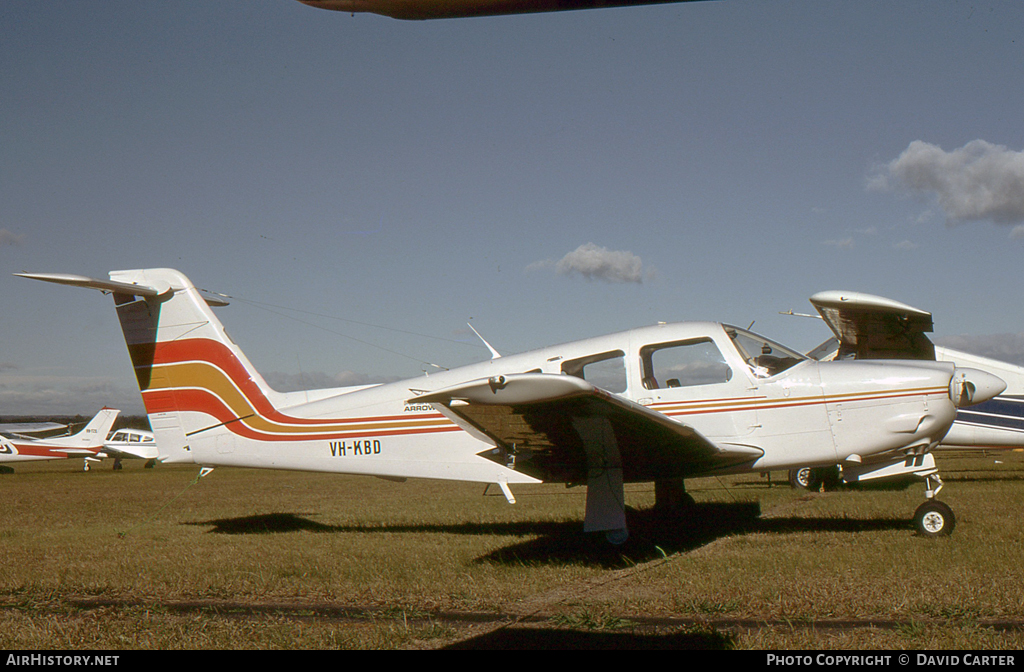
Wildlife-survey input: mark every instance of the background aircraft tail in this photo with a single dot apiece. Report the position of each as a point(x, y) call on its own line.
point(93, 434)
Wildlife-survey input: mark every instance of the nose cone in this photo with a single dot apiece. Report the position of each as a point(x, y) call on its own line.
point(973, 386)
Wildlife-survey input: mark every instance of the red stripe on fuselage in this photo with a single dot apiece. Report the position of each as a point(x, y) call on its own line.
point(219, 355)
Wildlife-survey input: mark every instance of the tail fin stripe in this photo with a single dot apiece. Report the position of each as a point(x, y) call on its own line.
point(214, 354)
point(204, 376)
point(209, 403)
point(200, 401)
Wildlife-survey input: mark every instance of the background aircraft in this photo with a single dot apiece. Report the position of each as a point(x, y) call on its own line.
point(128, 443)
point(30, 427)
point(872, 327)
point(86, 443)
point(448, 9)
point(660, 403)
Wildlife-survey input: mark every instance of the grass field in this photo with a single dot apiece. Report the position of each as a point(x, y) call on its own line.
point(143, 559)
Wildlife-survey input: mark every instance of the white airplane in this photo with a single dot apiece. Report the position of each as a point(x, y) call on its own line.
point(86, 443)
point(449, 9)
point(869, 327)
point(128, 443)
point(661, 403)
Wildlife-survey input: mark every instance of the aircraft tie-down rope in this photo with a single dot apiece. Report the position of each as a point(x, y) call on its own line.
point(202, 472)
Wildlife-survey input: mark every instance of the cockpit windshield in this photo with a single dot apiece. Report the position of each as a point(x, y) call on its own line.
point(766, 358)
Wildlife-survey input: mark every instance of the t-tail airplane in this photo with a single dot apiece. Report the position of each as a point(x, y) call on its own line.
point(86, 443)
point(660, 403)
point(451, 9)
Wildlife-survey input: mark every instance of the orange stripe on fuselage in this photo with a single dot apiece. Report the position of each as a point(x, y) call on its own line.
point(201, 375)
point(733, 404)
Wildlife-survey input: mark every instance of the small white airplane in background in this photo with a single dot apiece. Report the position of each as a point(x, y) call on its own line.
point(450, 9)
point(661, 403)
point(869, 327)
point(128, 443)
point(86, 443)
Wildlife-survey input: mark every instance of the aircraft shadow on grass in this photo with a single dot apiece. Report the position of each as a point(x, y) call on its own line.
point(652, 534)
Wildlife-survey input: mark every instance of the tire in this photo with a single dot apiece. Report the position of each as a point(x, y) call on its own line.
point(815, 479)
point(934, 519)
point(801, 478)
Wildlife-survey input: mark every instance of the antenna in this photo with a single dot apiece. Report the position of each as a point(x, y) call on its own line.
point(494, 353)
point(790, 312)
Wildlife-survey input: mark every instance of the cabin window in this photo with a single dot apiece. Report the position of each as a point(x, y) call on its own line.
point(683, 364)
point(606, 370)
point(766, 358)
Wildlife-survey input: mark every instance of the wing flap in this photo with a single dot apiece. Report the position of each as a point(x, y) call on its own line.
point(543, 425)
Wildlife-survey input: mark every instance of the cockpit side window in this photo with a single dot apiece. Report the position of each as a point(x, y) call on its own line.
point(683, 364)
point(606, 370)
point(766, 358)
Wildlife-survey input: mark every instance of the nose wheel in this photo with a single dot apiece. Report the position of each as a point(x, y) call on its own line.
point(934, 519)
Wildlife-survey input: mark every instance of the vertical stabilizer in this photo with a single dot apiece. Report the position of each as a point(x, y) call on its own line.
point(93, 434)
point(187, 367)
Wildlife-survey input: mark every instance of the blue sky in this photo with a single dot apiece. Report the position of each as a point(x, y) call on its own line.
point(549, 176)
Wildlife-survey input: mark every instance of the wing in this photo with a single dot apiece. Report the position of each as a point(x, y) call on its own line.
point(554, 427)
point(30, 427)
point(872, 327)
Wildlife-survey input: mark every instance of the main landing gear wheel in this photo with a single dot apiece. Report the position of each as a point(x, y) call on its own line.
point(934, 519)
point(800, 478)
point(815, 478)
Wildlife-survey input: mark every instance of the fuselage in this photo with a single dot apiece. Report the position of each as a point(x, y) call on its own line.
point(730, 385)
point(14, 449)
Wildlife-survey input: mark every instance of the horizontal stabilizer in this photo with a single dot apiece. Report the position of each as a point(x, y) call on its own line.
point(112, 286)
point(94, 283)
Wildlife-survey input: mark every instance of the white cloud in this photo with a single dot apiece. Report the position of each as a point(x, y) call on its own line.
point(10, 238)
point(598, 263)
point(843, 244)
point(979, 181)
point(906, 245)
point(54, 395)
